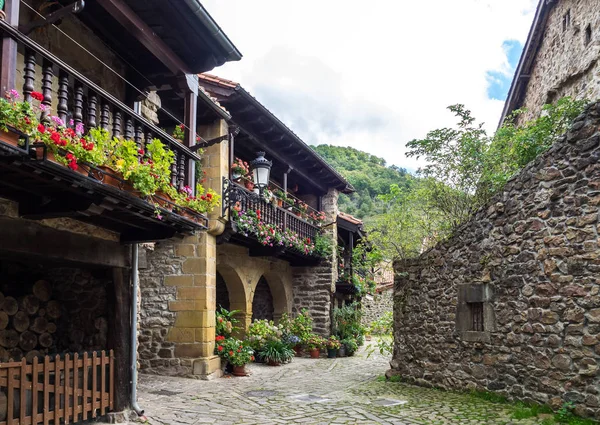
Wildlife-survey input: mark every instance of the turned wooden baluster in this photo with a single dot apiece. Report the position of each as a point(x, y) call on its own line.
point(149, 139)
point(92, 102)
point(28, 75)
point(128, 130)
point(138, 136)
point(78, 104)
point(62, 108)
point(47, 75)
point(105, 115)
point(174, 169)
point(181, 170)
point(117, 124)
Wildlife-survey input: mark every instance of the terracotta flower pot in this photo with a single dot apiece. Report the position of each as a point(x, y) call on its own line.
point(163, 199)
point(9, 138)
point(111, 178)
point(279, 203)
point(249, 185)
point(239, 370)
point(315, 353)
point(298, 350)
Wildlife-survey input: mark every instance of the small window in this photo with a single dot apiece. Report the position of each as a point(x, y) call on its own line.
point(588, 35)
point(476, 313)
point(567, 20)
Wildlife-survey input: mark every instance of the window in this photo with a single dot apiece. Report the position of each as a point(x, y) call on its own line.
point(588, 35)
point(567, 20)
point(476, 313)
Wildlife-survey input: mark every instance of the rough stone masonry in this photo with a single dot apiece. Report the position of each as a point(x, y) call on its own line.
point(511, 303)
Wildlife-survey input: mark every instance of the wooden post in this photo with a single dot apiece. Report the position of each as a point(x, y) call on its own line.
point(119, 326)
point(190, 87)
point(8, 69)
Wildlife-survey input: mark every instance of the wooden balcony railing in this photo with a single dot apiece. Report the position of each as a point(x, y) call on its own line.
point(83, 101)
point(270, 213)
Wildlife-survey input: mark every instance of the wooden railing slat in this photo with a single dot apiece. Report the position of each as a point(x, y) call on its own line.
point(67, 371)
point(56, 389)
point(34, 390)
point(85, 386)
point(103, 383)
point(94, 384)
point(10, 397)
point(46, 390)
point(111, 376)
point(75, 387)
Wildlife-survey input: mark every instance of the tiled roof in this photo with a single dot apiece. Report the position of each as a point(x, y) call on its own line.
point(385, 277)
point(349, 218)
point(218, 80)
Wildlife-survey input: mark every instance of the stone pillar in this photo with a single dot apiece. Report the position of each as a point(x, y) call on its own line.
point(314, 286)
point(150, 107)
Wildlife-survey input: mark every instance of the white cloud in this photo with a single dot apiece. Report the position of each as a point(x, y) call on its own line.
point(372, 75)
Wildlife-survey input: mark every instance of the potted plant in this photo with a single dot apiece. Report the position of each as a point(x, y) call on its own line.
point(351, 346)
point(280, 195)
point(17, 115)
point(342, 350)
point(179, 132)
point(235, 353)
point(239, 169)
point(314, 344)
point(276, 352)
point(333, 344)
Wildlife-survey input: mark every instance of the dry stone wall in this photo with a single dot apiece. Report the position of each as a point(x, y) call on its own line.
point(512, 302)
point(374, 307)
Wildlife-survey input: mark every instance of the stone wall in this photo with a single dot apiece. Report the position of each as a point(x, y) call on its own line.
point(564, 64)
point(512, 302)
point(314, 287)
point(374, 307)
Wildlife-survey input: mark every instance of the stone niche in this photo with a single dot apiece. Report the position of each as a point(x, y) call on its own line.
point(47, 310)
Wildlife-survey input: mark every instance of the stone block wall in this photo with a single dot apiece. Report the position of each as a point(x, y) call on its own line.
point(534, 327)
point(564, 64)
point(374, 307)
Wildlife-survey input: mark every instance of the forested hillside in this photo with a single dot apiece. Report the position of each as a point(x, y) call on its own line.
point(369, 175)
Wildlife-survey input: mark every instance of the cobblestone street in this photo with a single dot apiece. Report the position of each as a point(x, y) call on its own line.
point(324, 391)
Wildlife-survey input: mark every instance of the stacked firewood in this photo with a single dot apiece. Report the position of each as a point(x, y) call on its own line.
point(27, 324)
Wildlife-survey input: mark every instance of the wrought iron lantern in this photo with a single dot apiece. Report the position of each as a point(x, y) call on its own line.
point(261, 170)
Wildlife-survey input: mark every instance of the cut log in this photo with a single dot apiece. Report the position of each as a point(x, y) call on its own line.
point(42, 290)
point(33, 354)
point(9, 338)
point(10, 306)
point(51, 328)
point(15, 353)
point(28, 341)
point(53, 310)
point(3, 320)
point(42, 312)
point(30, 304)
point(45, 340)
point(3, 355)
point(40, 325)
point(21, 321)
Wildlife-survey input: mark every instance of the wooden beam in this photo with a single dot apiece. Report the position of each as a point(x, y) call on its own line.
point(144, 34)
point(26, 238)
point(190, 87)
point(8, 72)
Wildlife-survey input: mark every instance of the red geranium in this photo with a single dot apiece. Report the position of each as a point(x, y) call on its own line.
point(41, 128)
point(37, 95)
point(220, 348)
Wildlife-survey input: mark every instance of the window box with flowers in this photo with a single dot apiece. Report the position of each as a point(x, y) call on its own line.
point(239, 169)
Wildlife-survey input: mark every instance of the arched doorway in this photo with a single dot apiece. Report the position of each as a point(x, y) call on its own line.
point(262, 303)
point(222, 293)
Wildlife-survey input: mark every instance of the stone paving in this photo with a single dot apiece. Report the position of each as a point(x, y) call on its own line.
point(306, 391)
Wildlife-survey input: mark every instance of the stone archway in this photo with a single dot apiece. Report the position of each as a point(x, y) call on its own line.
point(281, 294)
point(237, 293)
point(222, 293)
point(262, 301)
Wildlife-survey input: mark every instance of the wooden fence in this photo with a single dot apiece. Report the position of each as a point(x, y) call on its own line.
point(58, 390)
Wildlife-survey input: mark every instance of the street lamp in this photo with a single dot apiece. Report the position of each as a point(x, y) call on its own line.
point(261, 169)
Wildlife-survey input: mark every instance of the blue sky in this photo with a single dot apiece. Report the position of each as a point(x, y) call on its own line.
point(500, 80)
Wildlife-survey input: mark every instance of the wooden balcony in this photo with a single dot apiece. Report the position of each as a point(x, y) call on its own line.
point(45, 189)
point(238, 197)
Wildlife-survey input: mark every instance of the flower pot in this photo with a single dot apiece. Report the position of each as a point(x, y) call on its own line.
point(112, 178)
point(236, 176)
point(279, 203)
point(273, 363)
point(163, 199)
point(249, 185)
point(239, 371)
point(189, 214)
point(39, 155)
point(9, 138)
point(315, 353)
point(368, 337)
point(332, 353)
point(342, 351)
point(298, 350)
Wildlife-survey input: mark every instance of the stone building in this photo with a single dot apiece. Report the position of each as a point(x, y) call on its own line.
point(69, 236)
point(233, 265)
point(511, 302)
point(560, 57)
point(382, 301)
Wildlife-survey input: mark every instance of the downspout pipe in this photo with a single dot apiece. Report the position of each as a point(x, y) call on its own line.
point(134, 322)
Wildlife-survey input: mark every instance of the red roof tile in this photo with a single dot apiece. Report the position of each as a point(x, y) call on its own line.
point(349, 218)
point(218, 80)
